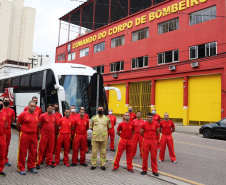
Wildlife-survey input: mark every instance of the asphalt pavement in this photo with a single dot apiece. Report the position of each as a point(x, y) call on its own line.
point(200, 160)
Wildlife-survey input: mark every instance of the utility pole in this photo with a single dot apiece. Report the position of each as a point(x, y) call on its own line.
point(32, 61)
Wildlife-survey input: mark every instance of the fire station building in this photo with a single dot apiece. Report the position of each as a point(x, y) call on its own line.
point(169, 54)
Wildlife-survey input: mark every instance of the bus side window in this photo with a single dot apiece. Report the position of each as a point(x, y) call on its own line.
point(7, 83)
point(36, 82)
point(50, 89)
point(2, 86)
point(15, 84)
point(24, 83)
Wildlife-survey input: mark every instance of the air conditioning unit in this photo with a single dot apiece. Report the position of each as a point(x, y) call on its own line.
point(172, 68)
point(115, 75)
point(195, 64)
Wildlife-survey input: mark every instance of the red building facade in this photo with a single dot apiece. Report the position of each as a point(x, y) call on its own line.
point(170, 56)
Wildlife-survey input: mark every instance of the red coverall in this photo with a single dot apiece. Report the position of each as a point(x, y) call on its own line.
point(80, 139)
point(27, 140)
point(47, 139)
point(111, 131)
point(167, 138)
point(3, 120)
point(149, 144)
point(10, 114)
point(137, 137)
point(73, 117)
point(125, 143)
point(157, 118)
point(58, 116)
point(64, 137)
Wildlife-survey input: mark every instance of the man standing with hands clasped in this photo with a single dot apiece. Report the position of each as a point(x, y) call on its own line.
point(149, 130)
point(100, 125)
point(167, 127)
point(125, 130)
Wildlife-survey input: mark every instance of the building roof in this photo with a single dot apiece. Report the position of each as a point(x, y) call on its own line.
point(94, 14)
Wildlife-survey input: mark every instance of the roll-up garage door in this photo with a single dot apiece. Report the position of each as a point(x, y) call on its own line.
point(118, 107)
point(169, 98)
point(204, 99)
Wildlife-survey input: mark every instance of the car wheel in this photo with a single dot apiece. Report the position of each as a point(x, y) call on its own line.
point(207, 133)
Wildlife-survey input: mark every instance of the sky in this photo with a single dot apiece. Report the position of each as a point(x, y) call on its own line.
point(46, 31)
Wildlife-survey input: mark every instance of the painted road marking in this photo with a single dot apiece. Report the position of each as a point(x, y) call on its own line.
point(169, 175)
point(202, 146)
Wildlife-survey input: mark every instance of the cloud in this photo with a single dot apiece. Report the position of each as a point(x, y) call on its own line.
point(47, 23)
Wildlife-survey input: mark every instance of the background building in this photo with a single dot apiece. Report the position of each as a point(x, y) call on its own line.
point(16, 30)
point(40, 60)
point(164, 54)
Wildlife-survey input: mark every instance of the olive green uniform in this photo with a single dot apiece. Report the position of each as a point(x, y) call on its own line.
point(100, 127)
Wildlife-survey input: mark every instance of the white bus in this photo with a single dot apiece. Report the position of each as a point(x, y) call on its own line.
point(65, 84)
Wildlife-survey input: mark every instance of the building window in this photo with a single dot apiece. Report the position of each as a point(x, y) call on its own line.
point(60, 57)
point(168, 26)
point(203, 50)
point(117, 66)
point(168, 57)
point(63, 56)
point(140, 62)
point(118, 41)
point(84, 52)
point(140, 34)
point(202, 15)
point(99, 69)
point(99, 47)
point(71, 56)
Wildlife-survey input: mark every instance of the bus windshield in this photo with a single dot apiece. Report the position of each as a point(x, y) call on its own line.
point(75, 91)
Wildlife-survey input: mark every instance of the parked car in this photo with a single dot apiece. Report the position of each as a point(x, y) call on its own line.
point(214, 129)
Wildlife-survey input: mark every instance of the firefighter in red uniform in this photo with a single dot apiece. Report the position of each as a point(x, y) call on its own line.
point(156, 118)
point(137, 137)
point(87, 117)
point(38, 110)
point(111, 131)
point(27, 126)
point(10, 119)
point(80, 125)
point(3, 126)
point(73, 116)
point(149, 130)
point(64, 138)
point(125, 130)
point(167, 127)
point(58, 116)
point(46, 125)
point(131, 114)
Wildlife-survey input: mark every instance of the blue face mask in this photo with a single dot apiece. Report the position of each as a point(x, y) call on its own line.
point(154, 112)
point(130, 110)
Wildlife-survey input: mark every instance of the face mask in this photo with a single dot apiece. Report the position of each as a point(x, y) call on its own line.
point(32, 109)
point(6, 103)
point(56, 108)
point(130, 110)
point(67, 114)
point(100, 112)
point(73, 110)
point(82, 114)
point(153, 112)
point(127, 117)
point(149, 120)
point(53, 111)
point(1, 106)
point(50, 111)
point(166, 117)
point(110, 113)
point(36, 102)
point(138, 115)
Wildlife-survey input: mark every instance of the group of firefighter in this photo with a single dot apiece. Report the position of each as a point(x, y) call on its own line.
point(42, 137)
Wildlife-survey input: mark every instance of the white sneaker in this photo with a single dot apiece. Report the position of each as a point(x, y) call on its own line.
point(175, 162)
point(160, 161)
